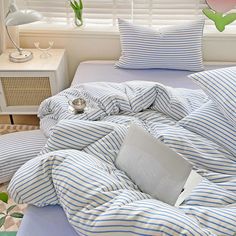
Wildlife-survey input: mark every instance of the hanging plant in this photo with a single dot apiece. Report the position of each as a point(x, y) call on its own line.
point(78, 10)
point(217, 12)
point(3, 215)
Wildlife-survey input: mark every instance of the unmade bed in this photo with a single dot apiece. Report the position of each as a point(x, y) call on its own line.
point(52, 220)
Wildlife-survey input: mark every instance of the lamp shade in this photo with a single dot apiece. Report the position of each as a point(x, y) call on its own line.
point(22, 17)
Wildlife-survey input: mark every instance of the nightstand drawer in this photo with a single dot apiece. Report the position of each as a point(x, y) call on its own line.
point(25, 91)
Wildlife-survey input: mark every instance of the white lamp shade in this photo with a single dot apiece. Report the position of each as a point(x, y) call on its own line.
point(22, 17)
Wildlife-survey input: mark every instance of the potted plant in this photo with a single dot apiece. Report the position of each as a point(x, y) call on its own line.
point(8, 213)
point(78, 10)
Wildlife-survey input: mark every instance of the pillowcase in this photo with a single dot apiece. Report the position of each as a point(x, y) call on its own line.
point(178, 47)
point(220, 85)
point(16, 149)
point(210, 123)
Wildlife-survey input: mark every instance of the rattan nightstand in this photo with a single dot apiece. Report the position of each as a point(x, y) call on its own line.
point(23, 86)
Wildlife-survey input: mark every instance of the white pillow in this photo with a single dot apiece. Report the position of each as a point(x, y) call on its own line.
point(220, 85)
point(16, 149)
point(178, 47)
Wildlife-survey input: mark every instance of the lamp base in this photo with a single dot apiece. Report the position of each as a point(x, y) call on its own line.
point(19, 58)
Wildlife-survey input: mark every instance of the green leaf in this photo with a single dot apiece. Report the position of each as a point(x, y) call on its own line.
point(81, 4)
point(17, 215)
point(230, 18)
point(76, 4)
point(10, 208)
point(216, 17)
point(209, 13)
point(2, 221)
point(72, 6)
point(4, 197)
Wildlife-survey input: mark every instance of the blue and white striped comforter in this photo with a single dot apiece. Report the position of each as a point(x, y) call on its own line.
point(76, 167)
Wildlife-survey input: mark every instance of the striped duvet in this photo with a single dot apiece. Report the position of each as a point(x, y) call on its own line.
point(76, 167)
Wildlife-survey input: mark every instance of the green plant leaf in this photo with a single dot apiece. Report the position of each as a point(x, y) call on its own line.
point(76, 4)
point(10, 208)
point(209, 13)
point(218, 18)
point(81, 4)
point(230, 18)
point(2, 221)
point(72, 6)
point(17, 215)
point(4, 197)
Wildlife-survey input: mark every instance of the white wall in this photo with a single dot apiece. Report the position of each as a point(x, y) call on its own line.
point(82, 46)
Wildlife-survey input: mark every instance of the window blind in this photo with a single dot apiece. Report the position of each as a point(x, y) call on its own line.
point(105, 12)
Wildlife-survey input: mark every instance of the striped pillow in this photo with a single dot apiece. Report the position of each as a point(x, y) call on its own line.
point(210, 123)
point(178, 47)
point(220, 85)
point(16, 149)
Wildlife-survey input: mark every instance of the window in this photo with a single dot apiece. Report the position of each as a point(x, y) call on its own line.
point(105, 12)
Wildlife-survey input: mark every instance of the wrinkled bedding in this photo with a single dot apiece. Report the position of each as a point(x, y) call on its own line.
point(76, 167)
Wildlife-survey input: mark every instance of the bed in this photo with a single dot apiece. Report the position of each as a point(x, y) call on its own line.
point(51, 220)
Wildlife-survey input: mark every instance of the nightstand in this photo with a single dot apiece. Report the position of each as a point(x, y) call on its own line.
point(23, 86)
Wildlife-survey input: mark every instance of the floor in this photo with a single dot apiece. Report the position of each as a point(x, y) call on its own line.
point(20, 119)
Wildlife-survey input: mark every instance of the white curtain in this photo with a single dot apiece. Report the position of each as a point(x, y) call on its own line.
point(2, 27)
point(4, 39)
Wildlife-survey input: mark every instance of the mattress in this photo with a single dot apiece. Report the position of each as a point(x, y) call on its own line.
point(100, 71)
point(51, 220)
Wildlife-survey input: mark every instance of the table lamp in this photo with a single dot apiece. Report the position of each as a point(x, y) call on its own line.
point(17, 17)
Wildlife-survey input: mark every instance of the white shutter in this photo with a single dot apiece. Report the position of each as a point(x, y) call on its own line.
point(164, 12)
point(105, 12)
point(53, 10)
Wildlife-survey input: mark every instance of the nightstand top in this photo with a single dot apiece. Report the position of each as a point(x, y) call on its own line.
point(36, 64)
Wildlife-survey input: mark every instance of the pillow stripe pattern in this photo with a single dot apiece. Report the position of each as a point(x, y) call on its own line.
point(220, 85)
point(178, 47)
point(16, 149)
point(210, 123)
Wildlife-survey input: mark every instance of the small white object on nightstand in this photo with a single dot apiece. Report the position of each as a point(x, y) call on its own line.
point(24, 86)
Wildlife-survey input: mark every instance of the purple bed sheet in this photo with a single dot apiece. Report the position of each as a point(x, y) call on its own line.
point(45, 221)
point(100, 71)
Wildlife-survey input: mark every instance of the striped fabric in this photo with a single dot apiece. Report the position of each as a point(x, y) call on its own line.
point(209, 122)
point(16, 149)
point(177, 47)
point(114, 98)
point(220, 85)
point(76, 169)
point(177, 103)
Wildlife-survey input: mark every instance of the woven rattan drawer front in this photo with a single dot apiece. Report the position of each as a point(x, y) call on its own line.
point(25, 91)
